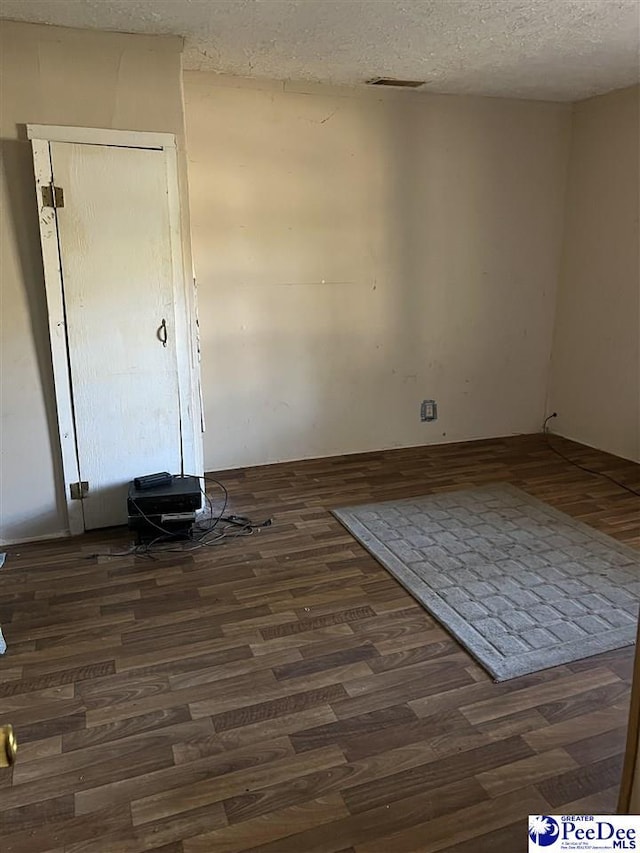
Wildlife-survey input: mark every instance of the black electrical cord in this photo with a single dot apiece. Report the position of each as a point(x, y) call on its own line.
point(172, 534)
point(213, 522)
point(208, 533)
point(545, 432)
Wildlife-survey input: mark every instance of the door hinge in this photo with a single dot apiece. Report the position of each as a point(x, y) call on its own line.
point(52, 196)
point(79, 490)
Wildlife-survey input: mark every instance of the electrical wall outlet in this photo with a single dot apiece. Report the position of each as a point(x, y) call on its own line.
point(428, 410)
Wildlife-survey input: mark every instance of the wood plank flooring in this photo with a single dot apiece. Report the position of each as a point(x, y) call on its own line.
point(283, 694)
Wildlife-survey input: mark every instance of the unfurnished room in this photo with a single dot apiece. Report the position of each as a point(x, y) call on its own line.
point(320, 426)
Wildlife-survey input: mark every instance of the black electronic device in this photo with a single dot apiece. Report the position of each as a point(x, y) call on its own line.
point(152, 481)
point(167, 510)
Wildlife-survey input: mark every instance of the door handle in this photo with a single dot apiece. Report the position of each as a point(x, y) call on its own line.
point(162, 333)
point(8, 746)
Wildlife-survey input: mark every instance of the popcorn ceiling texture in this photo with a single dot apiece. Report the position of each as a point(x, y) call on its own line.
point(561, 50)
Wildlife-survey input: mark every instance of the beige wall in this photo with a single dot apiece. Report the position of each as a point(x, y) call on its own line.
point(53, 75)
point(595, 375)
point(356, 253)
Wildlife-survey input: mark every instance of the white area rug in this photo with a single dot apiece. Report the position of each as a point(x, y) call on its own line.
point(523, 586)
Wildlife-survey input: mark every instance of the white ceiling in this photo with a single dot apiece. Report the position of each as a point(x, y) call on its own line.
point(547, 49)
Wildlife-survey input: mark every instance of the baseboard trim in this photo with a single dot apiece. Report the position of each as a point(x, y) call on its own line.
point(8, 543)
point(584, 443)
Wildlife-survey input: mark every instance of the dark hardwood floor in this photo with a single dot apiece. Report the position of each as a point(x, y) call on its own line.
point(283, 694)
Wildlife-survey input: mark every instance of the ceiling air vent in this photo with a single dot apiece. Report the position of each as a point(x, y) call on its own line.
point(399, 84)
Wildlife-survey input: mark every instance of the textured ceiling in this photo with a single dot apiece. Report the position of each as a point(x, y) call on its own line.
point(549, 49)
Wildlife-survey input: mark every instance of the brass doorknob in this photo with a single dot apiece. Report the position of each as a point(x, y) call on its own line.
point(8, 746)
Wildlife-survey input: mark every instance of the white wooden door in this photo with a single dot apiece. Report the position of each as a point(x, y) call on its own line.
point(115, 253)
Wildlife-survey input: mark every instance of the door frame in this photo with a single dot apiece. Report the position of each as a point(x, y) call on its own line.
point(184, 300)
point(629, 796)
